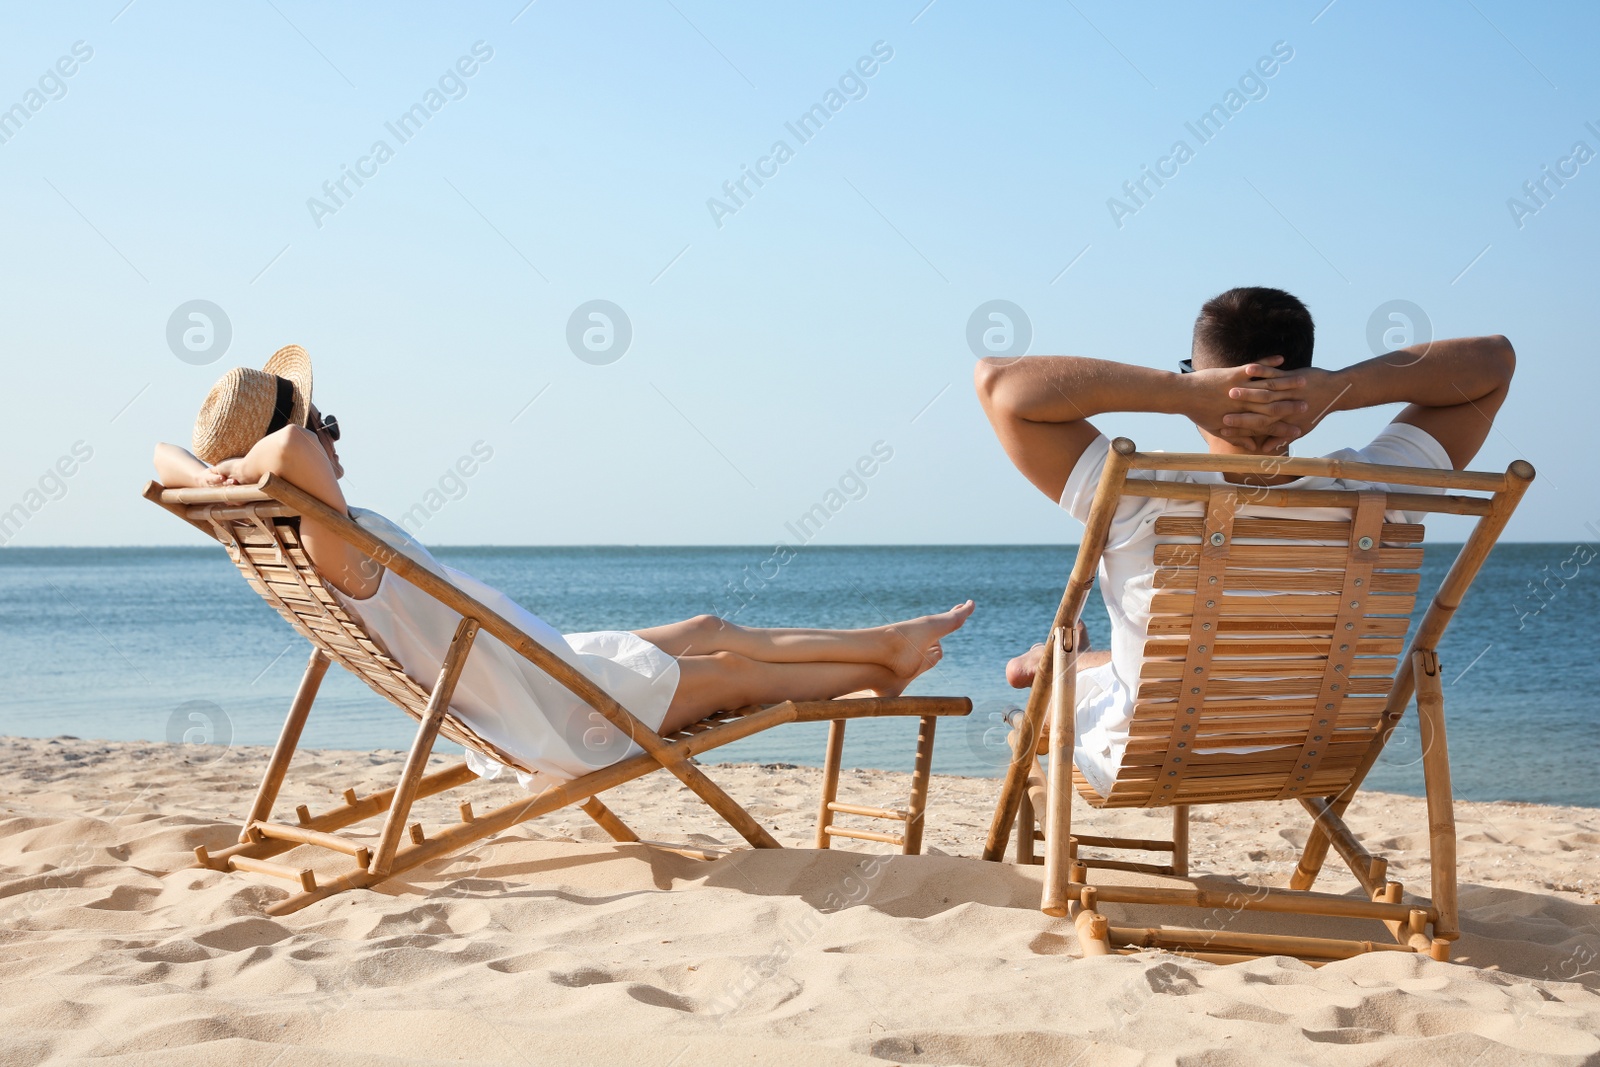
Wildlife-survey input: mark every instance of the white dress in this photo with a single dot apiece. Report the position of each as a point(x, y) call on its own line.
point(504, 698)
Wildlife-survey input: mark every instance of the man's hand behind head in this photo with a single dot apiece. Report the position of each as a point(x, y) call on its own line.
point(1282, 406)
point(1216, 398)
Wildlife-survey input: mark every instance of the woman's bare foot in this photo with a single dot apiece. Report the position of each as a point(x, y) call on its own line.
point(893, 684)
point(912, 647)
point(1021, 670)
point(926, 662)
point(890, 683)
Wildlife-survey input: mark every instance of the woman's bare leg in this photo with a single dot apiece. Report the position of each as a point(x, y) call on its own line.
point(903, 647)
point(724, 680)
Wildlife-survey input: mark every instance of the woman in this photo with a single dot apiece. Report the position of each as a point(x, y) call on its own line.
point(255, 423)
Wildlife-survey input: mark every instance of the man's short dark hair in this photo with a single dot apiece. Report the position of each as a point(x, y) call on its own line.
point(1249, 324)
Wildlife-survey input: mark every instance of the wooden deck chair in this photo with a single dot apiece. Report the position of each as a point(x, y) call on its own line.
point(1292, 648)
point(259, 526)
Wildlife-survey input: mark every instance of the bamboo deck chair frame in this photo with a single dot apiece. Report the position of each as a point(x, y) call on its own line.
point(258, 526)
point(1322, 734)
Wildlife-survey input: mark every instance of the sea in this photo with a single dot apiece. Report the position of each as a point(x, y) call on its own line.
point(170, 644)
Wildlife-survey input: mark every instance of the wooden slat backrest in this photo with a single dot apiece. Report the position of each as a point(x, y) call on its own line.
point(1279, 636)
point(263, 540)
point(1314, 709)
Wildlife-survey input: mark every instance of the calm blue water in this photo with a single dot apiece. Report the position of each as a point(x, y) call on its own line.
point(127, 643)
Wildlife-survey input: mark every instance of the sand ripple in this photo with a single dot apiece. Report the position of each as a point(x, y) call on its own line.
point(552, 945)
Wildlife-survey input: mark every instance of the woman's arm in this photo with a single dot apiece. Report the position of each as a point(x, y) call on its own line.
point(177, 468)
point(294, 454)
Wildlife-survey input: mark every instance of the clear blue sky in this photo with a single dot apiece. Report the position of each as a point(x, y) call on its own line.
point(829, 311)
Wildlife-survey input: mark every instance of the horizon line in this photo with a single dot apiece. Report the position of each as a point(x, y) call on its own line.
point(759, 546)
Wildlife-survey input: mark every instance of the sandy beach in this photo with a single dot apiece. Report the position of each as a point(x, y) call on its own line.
point(551, 944)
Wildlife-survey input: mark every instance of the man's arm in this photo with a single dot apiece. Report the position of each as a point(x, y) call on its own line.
point(1039, 406)
point(1452, 388)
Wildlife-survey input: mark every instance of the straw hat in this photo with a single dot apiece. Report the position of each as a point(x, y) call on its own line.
point(247, 405)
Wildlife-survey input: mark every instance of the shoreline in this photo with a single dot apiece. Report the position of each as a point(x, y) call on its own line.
point(262, 752)
point(551, 938)
point(968, 800)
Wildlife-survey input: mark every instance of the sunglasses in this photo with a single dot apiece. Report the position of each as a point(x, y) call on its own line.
point(328, 425)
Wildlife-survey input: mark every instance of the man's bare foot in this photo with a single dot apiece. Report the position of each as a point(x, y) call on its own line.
point(1021, 670)
point(911, 647)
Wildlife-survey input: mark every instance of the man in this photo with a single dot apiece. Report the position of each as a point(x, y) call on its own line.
point(1250, 388)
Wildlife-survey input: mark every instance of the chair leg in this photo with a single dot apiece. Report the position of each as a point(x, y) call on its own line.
point(920, 775)
point(1025, 830)
point(1441, 804)
point(1058, 792)
point(1036, 797)
point(1180, 840)
point(422, 746)
point(607, 820)
point(1315, 853)
point(831, 763)
point(288, 741)
point(1024, 744)
point(1094, 933)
